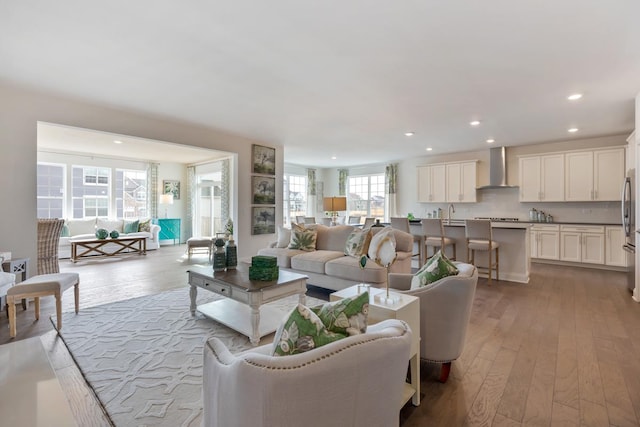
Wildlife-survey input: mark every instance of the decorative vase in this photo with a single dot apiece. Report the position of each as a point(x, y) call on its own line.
point(101, 234)
point(219, 258)
point(114, 234)
point(231, 254)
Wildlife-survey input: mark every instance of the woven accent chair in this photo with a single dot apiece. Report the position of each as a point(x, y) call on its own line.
point(49, 281)
point(48, 240)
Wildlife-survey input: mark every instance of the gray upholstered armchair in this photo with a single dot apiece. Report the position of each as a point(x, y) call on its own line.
point(350, 382)
point(445, 309)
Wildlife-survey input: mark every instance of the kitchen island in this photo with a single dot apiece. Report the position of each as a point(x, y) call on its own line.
point(514, 239)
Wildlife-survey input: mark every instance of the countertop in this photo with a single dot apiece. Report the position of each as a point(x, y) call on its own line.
point(521, 224)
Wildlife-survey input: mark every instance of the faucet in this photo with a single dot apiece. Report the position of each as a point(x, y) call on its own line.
point(450, 211)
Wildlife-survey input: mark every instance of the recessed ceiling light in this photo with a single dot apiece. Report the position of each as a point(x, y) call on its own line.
point(475, 123)
point(429, 149)
point(572, 130)
point(333, 157)
point(490, 141)
point(574, 97)
point(409, 134)
point(117, 141)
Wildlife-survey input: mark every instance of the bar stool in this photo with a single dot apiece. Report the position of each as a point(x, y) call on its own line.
point(402, 224)
point(480, 238)
point(433, 231)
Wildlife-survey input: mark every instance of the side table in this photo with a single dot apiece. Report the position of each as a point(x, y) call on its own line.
point(407, 308)
point(19, 267)
point(169, 229)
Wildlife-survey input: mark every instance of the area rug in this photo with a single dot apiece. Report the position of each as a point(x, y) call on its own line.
point(143, 357)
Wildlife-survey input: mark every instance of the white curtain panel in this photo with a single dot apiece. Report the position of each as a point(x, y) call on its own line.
point(391, 177)
point(191, 201)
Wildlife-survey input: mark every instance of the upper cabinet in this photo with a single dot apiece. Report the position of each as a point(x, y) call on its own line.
point(431, 183)
point(577, 176)
point(447, 182)
point(539, 178)
point(461, 182)
point(594, 175)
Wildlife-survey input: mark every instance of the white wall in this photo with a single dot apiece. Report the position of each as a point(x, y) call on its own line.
point(21, 109)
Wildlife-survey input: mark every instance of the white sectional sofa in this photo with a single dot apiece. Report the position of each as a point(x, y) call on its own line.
point(329, 267)
point(75, 229)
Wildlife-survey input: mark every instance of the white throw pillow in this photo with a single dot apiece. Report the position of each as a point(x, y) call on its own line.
point(284, 237)
point(81, 226)
point(110, 224)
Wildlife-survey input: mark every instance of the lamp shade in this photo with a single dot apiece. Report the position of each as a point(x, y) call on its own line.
point(334, 204)
point(166, 199)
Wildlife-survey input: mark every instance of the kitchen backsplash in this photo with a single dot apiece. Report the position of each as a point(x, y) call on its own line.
point(503, 203)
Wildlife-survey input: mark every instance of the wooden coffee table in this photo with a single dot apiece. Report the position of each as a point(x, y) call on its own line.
point(93, 247)
point(242, 310)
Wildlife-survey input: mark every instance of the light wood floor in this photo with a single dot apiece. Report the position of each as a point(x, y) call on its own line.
point(561, 350)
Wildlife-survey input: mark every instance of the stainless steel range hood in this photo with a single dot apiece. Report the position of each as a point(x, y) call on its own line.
point(497, 169)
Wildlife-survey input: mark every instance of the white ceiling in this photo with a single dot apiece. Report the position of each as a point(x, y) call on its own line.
point(343, 78)
point(58, 138)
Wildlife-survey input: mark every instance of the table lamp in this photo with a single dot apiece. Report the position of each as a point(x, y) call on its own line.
point(333, 205)
point(166, 199)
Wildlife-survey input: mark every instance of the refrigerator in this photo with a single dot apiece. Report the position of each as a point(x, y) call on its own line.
point(628, 225)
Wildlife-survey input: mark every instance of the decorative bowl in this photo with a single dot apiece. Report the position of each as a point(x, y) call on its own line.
point(101, 233)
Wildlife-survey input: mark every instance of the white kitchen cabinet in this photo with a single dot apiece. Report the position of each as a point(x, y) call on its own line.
point(594, 175)
point(541, 178)
point(608, 174)
point(585, 244)
point(614, 254)
point(461, 182)
point(545, 241)
point(431, 183)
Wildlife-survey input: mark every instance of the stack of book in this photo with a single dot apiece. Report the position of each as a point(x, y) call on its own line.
point(263, 268)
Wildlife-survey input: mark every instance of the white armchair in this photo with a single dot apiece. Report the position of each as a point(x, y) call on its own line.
point(445, 309)
point(351, 382)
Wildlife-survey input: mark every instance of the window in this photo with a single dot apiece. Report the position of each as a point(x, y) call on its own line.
point(295, 197)
point(96, 176)
point(96, 206)
point(90, 192)
point(131, 193)
point(366, 196)
point(50, 191)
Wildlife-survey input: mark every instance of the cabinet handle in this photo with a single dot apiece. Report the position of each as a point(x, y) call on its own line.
point(595, 195)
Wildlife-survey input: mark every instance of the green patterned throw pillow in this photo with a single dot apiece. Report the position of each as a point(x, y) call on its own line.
point(436, 268)
point(303, 238)
point(64, 232)
point(302, 331)
point(145, 226)
point(358, 242)
point(345, 316)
